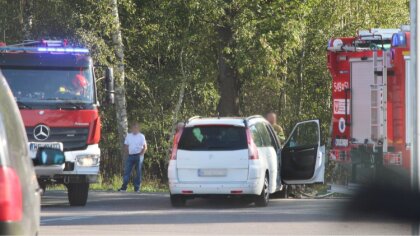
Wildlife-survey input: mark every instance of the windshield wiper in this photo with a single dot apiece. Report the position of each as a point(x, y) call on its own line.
point(70, 106)
point(22, 105)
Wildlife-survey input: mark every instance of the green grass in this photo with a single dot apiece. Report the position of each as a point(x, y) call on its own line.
point(149, 186)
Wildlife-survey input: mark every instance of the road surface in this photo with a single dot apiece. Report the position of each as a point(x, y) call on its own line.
point(110, 213)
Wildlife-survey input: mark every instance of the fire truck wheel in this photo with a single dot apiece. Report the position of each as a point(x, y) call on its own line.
point(78, 193)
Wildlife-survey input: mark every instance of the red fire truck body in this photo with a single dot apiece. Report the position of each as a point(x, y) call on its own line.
point(370, 100)
point(55, 88)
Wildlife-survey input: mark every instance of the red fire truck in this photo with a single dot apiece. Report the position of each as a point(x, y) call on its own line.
point(371, 103)
point(54, 87)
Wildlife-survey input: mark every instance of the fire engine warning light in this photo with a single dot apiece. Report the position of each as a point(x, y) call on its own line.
point(46, 49)
point(53, 49)
point(399, 39)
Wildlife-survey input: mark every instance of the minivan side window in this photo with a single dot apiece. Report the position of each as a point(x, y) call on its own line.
point(305, 134)
point(265, 136)
point(256, 136)
point(274, 143)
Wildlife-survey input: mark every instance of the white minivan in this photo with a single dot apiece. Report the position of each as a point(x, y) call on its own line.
point(242, 156)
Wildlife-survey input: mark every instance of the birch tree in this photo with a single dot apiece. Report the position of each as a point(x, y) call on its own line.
point(27, 17)
point(120, 100)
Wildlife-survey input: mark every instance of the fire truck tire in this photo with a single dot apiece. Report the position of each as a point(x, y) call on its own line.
point(77, 193)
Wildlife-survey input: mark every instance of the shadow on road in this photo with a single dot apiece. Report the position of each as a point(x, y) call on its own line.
point(129, 208)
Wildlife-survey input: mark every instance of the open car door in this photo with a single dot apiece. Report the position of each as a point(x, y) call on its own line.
point(302, 156)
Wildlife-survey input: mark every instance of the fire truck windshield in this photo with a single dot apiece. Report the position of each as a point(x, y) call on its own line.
point(43, 85)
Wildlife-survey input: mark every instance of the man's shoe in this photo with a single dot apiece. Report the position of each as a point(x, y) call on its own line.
point(137, 191)
point(122, 190)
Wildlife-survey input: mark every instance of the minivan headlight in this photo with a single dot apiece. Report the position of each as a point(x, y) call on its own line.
point(87, 160)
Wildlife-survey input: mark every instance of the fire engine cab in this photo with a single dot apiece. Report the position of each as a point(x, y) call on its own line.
point(54, 87)
point(371, 102)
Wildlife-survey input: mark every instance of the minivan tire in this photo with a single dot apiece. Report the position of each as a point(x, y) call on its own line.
point(77, 193)
point(263, 199)
point(178, 201)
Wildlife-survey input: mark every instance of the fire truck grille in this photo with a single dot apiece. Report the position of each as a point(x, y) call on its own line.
point(72, 138)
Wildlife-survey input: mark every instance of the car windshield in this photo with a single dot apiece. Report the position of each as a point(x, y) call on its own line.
point(45, 85)
point(203, 138)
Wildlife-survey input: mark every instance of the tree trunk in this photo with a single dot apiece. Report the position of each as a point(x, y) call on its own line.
point(181, 94)
point(228, 78)
point(120, 100)
point(27, 17)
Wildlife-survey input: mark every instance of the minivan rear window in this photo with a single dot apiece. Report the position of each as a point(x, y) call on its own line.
point(217, 138)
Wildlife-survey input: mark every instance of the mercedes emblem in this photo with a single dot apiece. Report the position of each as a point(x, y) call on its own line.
point(41, 132)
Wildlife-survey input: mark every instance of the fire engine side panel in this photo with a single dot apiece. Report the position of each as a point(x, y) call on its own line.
point(339, 68)
point(361, 80)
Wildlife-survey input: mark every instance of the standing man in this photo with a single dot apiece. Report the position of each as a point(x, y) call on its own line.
point(272, 118)
point(135, 147)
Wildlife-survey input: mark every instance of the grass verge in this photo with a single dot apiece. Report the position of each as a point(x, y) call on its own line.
point(149, 186)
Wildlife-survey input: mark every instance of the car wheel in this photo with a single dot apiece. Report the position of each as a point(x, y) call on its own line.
point(78, 193)
point(262, 199)
point(178, 201)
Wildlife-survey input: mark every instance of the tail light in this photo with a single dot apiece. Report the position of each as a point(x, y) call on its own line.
point(252, 148)
point(175, 145)
point(95, 132)
point(11, 195)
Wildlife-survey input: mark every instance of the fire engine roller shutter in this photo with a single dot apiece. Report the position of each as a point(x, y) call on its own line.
point(361, 80)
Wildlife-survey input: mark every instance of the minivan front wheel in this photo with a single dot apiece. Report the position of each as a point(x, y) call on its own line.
point(178, 200)
point(262, 199)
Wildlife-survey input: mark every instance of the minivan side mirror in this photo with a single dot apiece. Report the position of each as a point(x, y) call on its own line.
point(49, 156)
point(109, 85)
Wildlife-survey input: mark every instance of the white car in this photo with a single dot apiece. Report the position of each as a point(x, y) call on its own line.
point(242, 156)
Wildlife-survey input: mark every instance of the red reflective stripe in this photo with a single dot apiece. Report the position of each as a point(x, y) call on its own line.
point(187, 192)
point(236, 191)
point(11, 195)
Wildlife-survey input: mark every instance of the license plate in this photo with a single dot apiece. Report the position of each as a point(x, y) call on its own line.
point(212, 172)
point(33, 147)
point(341, 142)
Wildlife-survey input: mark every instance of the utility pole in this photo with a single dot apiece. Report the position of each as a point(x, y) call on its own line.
point(414, 71)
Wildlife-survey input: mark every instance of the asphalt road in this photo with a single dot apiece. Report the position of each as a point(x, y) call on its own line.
point(144, 214)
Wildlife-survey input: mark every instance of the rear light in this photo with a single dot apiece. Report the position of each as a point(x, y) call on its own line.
point(252, 148)
point(187, 192)
point(95, 132)
point(236, 192)
point(175, 145)
point(11, 195)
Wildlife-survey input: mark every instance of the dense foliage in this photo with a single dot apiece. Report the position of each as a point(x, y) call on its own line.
point(271, 51)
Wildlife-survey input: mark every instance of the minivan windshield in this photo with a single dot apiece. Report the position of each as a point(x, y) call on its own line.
point(219, 138)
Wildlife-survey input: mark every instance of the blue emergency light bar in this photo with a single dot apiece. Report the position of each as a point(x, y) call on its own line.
point(46, 49)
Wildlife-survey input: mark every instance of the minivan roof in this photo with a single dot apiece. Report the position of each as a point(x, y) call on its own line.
point(235, 121)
